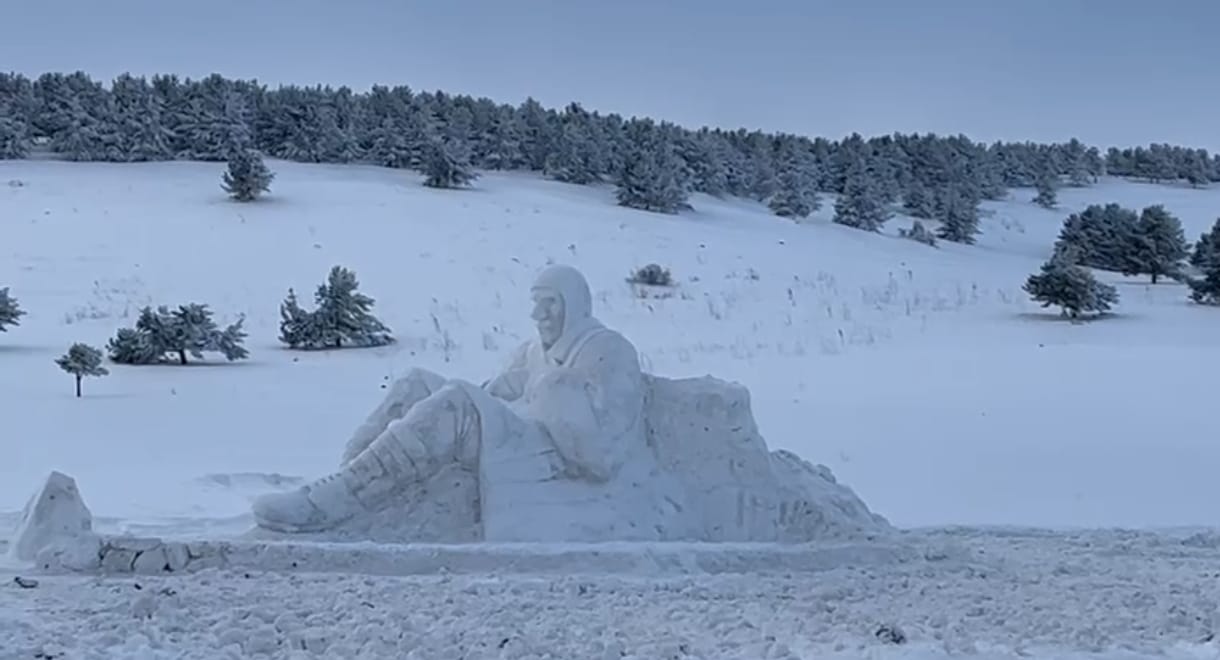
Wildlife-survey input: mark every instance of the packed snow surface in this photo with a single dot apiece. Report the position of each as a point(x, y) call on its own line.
point(1001, 595)
point(922, 377)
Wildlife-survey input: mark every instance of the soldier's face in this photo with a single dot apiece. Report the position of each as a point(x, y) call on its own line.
point(548, 315)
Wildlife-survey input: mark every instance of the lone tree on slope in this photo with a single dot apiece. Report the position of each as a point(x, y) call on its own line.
point(247, 176)
point(341, 318)
point(187, 330)
point(9, 310)
point(82, 360)
point(1064, 283)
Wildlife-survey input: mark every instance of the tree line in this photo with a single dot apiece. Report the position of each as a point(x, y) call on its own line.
point(655, 165)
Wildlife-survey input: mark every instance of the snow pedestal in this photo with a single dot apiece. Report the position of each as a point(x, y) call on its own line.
point(55, 520)
point(733, 488)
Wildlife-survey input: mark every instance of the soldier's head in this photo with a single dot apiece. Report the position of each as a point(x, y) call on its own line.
point(561, 302)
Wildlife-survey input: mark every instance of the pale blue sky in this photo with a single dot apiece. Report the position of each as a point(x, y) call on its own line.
point(1112, 72)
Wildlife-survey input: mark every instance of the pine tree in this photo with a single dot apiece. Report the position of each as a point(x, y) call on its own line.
point(860, 205)
point(1196, 167)
point(958, 213)
point(1102, 235)
point(82, 360)
point(651, 178)
point(14, 139)
point(1045, 185)
point(446, 163)
point(9, 310)
point(579, 156)
point(1207, 249)
point(1064, 283)
point(918, 201)
point(796, 194)
point(342, 317)
point(1207, 290)
point(1158, 245)
point(187, 330)
point(247, 176)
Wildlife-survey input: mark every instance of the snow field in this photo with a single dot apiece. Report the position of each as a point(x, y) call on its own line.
point(922, 377)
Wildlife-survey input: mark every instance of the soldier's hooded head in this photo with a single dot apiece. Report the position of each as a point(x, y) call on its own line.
point(563, 308)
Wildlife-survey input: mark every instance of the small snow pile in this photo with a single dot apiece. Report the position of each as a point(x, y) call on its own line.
point(54, 520)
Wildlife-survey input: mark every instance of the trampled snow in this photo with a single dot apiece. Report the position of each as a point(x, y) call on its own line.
point(923, 377)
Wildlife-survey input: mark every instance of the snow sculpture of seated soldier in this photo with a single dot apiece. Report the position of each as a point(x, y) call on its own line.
point(572, 442)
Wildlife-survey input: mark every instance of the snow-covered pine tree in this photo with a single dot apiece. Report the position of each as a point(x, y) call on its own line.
point(707, 156)
point(1077, 158)
point(446, 163)
point(9, 310)
point(137, 117)
point(342, 317)
point(1196, 167)
point(1045, 184)
point(796, 193)
point(651, 178)
point(1206, 291)
point(1102, 235)
point(1064, 283)
point(1158, 246)
point(918, 201)
point(860, 204)
point(1207, 248)
point(247, 176)
point(187, 330)
point(576, 158)
point(958, 212)
point(82, 360)
point(18, 105)
point(296, 324)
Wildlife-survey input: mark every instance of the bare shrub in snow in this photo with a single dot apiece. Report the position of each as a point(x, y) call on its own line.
point(652, 275)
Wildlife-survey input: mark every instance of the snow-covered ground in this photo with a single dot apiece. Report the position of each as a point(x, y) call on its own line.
point(924, 378)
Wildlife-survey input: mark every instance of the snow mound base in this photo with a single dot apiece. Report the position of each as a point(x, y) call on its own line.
point(152, 556)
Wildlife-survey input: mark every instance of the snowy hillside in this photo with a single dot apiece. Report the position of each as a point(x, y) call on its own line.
point(922, 376)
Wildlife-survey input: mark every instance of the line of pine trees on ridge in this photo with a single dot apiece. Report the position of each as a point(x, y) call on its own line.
point(654, 164)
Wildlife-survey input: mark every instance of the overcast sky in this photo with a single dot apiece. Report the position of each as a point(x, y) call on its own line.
point(1112, 72)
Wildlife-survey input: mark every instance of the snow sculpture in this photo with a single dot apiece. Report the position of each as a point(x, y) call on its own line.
point(571, 442)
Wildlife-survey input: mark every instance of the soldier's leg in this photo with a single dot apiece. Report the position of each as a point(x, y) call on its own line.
point(404, 393)
point(441, 429)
